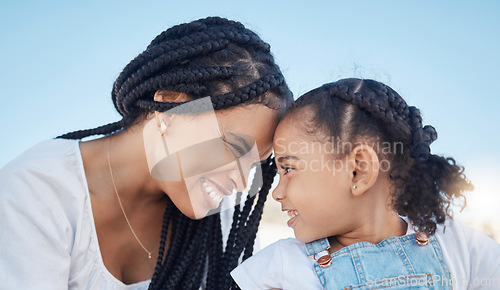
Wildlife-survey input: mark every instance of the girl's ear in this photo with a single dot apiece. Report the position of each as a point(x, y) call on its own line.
point(170, 97)
point(364, 167)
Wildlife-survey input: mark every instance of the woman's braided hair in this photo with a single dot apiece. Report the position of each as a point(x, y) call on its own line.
point(212, 57)
point(356, 111)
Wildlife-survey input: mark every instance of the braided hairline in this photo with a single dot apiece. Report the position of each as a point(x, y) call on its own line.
point(183, 29)
point(241, 95)
point(159, 45)
point(165, 60)
point(155, 53)
point(372, 104)
point(181, 76)
point(398, 111)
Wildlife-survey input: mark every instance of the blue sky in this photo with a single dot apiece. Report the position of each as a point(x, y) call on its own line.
point(59, 61)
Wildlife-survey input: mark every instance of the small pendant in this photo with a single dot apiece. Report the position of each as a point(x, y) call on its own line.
point(325, 261)
point(421, 238)
point(149, 255)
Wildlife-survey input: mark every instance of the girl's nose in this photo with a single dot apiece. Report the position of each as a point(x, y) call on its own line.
point(279, 192)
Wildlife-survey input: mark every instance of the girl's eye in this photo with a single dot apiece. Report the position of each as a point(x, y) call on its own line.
point(287, 169)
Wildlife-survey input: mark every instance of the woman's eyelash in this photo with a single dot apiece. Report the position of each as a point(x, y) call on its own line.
point(238, 149)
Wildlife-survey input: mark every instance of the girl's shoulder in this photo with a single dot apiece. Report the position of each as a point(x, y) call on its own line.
point(282, 265)
point(456, 235)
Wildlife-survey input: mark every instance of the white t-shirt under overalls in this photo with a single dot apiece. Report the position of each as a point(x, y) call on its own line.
point(472, 259)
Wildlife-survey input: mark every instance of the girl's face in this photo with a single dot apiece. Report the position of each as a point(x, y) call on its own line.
point(202, 162)
point(314, 188)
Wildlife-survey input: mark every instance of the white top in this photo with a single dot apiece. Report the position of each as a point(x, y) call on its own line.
point(48, 238)
point(472, 258)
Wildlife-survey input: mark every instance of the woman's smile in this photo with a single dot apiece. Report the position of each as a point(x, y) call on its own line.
point(214, 192)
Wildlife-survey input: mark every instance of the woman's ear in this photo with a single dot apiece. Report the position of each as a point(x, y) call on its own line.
point(171, 97)
point(364, 166)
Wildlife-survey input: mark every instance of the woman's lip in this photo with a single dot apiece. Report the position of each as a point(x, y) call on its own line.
point(220, 188)
point(212, 203)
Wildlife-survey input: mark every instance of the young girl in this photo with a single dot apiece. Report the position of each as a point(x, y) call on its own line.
point(368, 202)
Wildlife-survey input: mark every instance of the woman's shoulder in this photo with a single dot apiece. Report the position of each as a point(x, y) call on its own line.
point(45, 153)
point(44, 161)
point(47, 174)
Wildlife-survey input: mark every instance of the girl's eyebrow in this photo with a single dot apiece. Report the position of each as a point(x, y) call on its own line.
point(289, 157)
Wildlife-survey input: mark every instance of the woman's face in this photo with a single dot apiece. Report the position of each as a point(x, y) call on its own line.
point(200, 159)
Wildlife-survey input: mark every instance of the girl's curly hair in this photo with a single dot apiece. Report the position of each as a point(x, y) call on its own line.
point(354, 110)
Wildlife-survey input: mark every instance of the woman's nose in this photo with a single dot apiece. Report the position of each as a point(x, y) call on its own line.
point(238, 178)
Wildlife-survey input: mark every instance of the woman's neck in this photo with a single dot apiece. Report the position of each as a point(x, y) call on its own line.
point(126, 154)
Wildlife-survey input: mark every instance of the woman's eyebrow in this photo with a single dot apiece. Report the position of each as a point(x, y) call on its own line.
point(239, 141)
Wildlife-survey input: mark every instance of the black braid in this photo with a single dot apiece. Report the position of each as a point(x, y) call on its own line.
point(106, 129)
point(355, 110)
point(214, 253)
point(212, 57)
point(257, 212)
point(169, 80)
point(241, 95)
point(247, 227)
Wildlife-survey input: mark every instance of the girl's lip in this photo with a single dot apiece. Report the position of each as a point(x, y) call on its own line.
point(291, 222)
point(293, 214)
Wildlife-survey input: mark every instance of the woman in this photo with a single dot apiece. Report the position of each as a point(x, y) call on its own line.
point(96, 214)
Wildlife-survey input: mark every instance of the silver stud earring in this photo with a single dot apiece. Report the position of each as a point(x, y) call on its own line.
point(354, 187)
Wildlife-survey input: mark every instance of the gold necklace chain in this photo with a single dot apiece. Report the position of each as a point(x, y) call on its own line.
point(120, 202)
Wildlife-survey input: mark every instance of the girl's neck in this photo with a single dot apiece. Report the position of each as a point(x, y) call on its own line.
point(373, 229)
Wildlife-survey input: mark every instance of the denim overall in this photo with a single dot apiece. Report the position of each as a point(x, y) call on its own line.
point(395, 263)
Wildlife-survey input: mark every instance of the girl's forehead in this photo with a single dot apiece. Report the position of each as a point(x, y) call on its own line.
point(293, 129)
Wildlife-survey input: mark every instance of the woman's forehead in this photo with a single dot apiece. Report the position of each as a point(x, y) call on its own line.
point(254, 121)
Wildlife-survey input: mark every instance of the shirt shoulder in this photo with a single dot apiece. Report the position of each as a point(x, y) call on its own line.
point(45, 187)
point(54, 165)
point(471, 256)
point(282, 265)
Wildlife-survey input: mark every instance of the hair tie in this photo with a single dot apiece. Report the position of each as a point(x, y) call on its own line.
point(430, 134)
